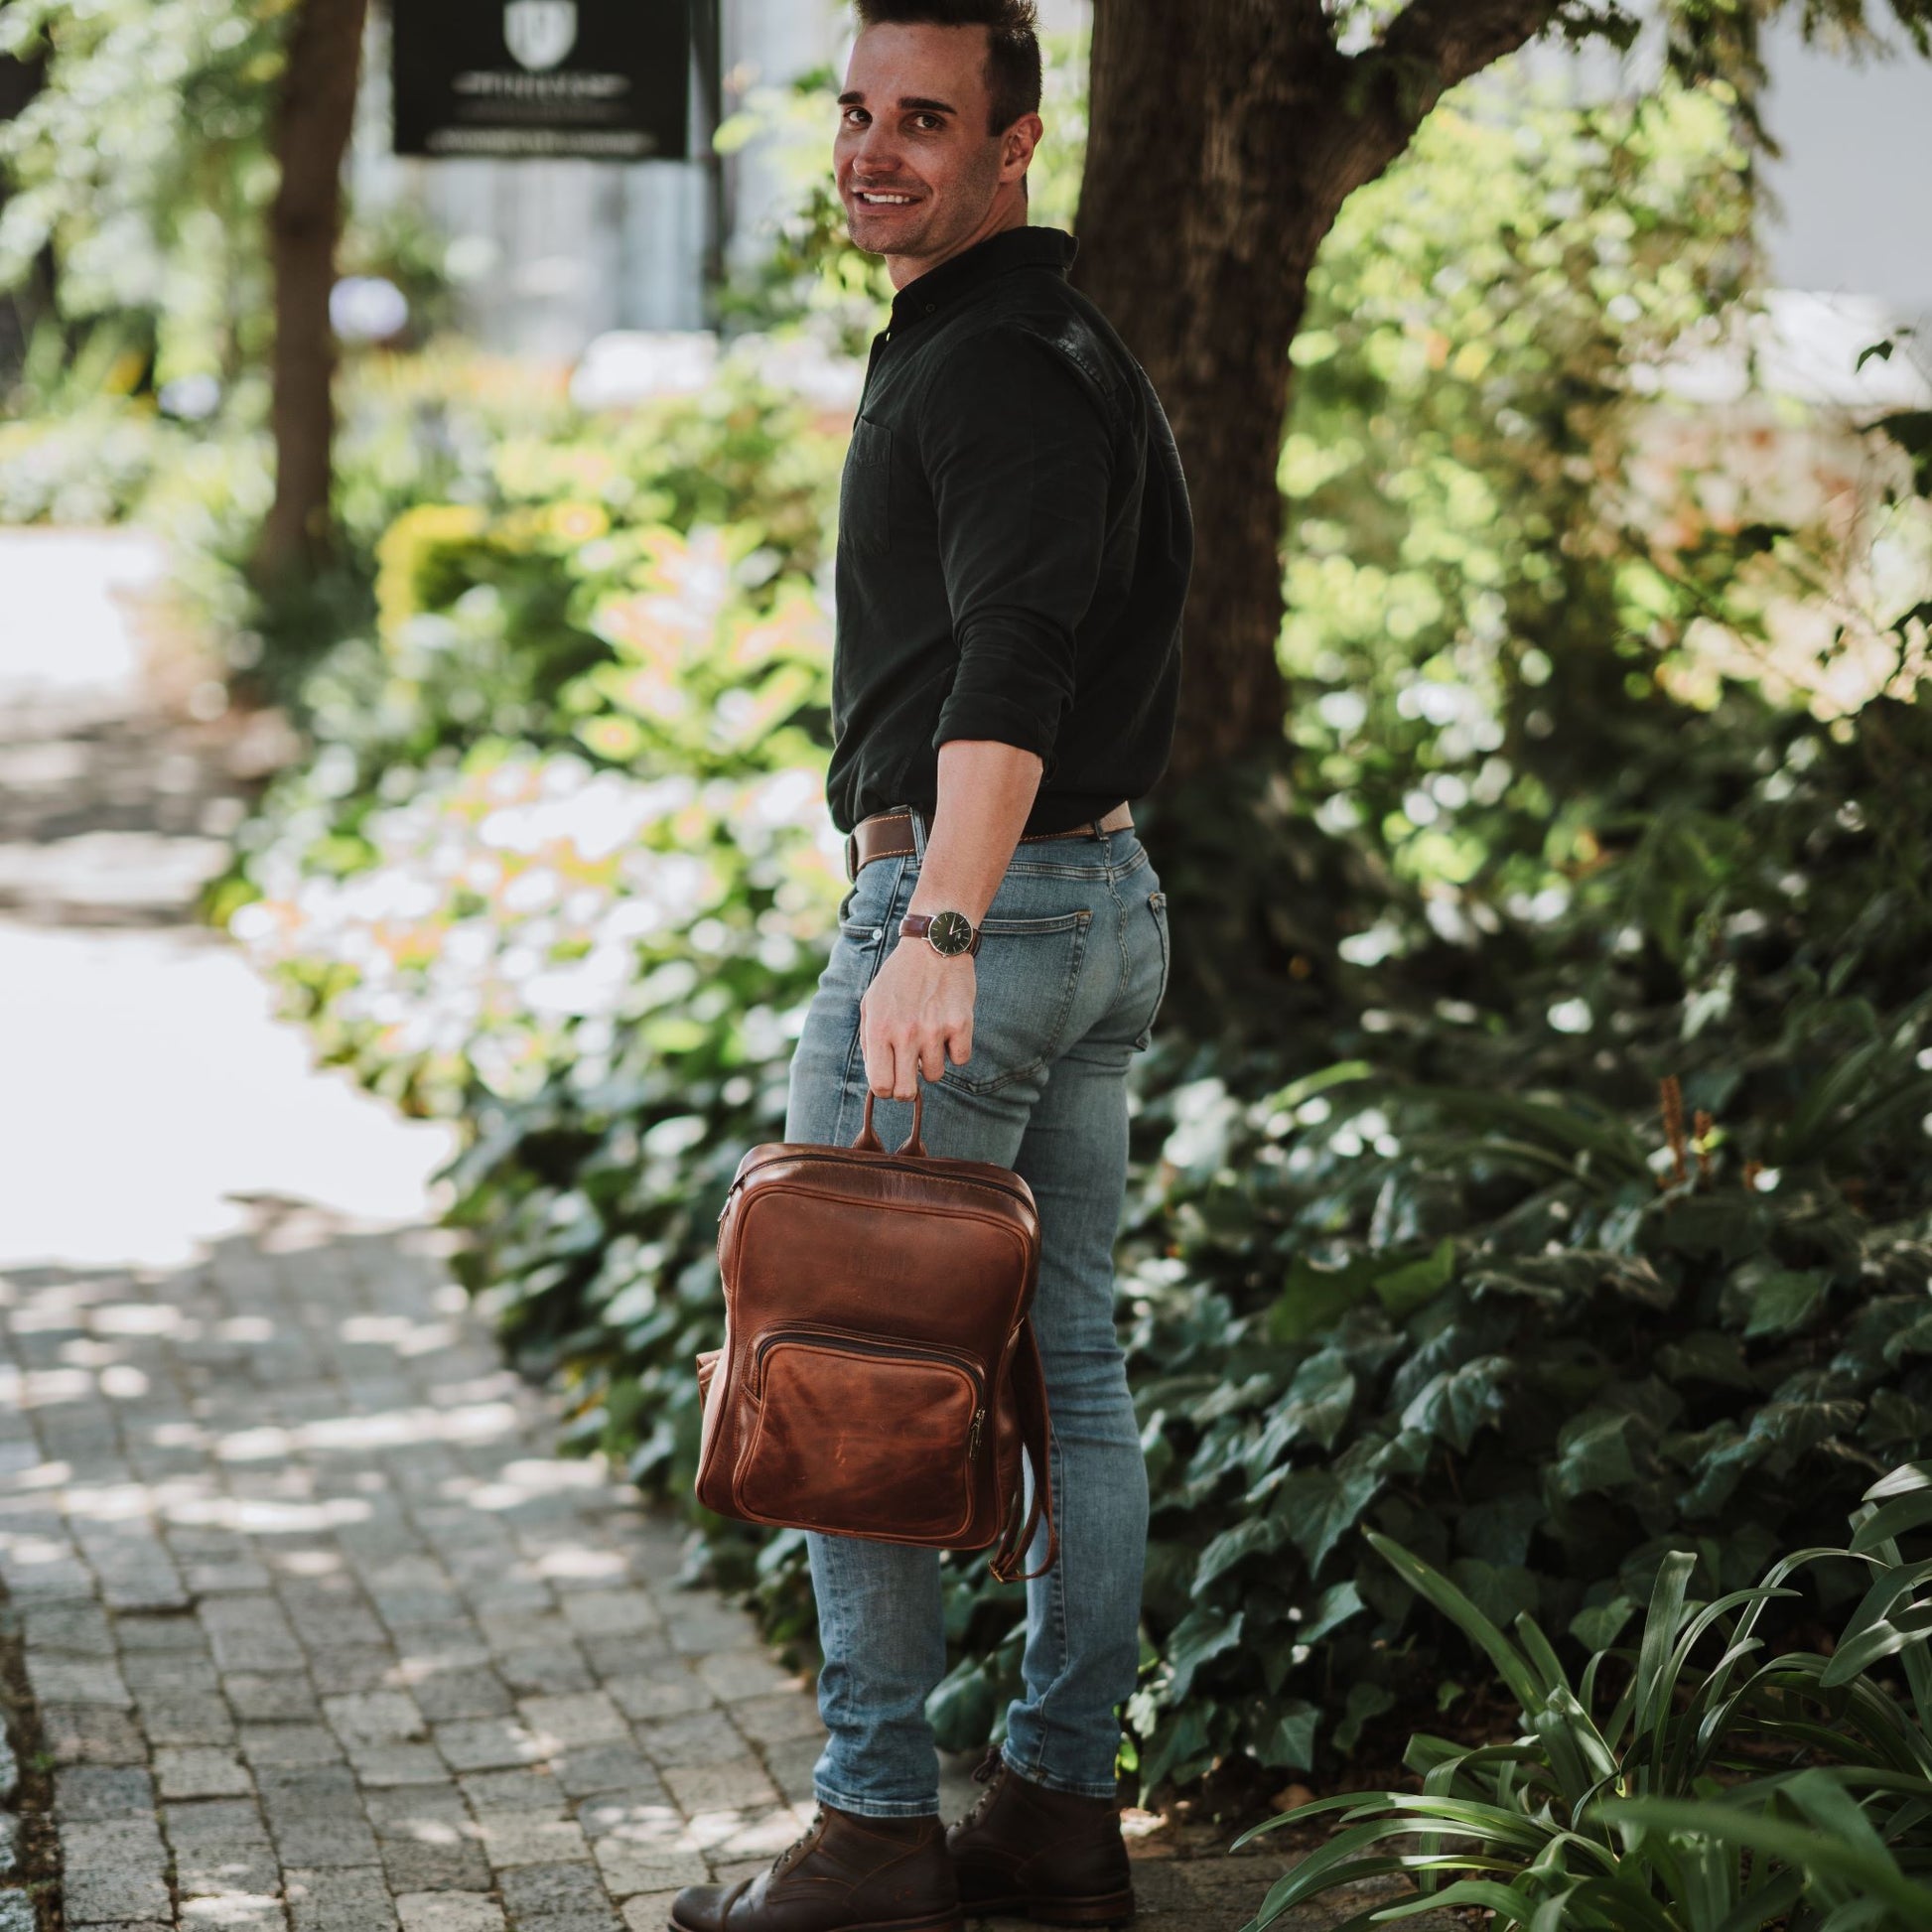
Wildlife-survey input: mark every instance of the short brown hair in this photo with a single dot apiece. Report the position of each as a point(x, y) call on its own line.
point(1012, 43)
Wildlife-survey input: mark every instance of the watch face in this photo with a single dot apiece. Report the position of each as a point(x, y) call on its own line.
point(950, 932)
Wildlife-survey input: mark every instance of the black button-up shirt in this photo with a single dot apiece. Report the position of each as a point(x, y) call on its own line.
point(1014, 543)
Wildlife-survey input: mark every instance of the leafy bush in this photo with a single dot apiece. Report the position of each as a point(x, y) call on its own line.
point(1657, 1813)
point(459, 471)
point(1526, 579)
point(508, 916)
point(91, 466)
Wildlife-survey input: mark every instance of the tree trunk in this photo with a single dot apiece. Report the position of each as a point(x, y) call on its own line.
point(312, 135)
point(31, 300)
point(1224, 136)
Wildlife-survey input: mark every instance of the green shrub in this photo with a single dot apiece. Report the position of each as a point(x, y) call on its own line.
point(1638, 1798)
point(522, 917)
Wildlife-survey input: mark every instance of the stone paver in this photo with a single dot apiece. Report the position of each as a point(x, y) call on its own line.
point(322, 1635)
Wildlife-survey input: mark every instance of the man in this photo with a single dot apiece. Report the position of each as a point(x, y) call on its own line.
point(1014, 551)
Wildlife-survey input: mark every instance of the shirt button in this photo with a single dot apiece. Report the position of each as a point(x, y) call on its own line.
point(928, 308)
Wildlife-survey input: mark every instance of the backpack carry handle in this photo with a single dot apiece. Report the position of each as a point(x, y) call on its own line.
point(869, 1138)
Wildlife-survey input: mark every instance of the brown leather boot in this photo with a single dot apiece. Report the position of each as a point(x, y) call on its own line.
point(881, 1874)
point(1024, 1852)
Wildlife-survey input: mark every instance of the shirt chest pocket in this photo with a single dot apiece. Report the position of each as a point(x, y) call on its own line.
point(866, 491)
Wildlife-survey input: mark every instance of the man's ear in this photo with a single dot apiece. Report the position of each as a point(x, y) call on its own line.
point(1023, 141)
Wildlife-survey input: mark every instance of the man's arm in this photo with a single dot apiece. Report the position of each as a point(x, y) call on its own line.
point(919, 1008)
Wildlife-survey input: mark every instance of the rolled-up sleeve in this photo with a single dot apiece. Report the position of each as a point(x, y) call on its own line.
point(1018, 451)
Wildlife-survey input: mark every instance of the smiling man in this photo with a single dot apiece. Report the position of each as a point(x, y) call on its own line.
point(1013, 553)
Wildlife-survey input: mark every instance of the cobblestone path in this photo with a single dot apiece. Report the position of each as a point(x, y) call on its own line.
point(306, 1627)
point(317, 1625)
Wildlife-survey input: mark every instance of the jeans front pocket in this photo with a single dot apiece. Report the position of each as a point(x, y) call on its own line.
point(1027, 973)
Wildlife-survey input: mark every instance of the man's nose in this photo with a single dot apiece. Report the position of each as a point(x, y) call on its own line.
point(877, 152)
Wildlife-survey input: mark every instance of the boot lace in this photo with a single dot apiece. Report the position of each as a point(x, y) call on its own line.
point(989, 1771)
point(799, 1846)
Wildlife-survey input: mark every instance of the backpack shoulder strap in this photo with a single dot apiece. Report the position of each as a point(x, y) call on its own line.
point(1036, 1432)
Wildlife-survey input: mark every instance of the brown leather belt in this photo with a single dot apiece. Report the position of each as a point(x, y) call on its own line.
point(889, 835)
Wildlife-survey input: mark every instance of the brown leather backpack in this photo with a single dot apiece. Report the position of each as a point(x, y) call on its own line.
point(879, 1376)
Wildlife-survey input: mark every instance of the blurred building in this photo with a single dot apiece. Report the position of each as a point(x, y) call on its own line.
point(555, 253)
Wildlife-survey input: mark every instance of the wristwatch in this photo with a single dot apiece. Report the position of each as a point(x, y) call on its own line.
point(948, 933)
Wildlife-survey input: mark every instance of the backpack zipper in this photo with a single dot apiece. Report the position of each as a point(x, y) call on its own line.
point(926, 1167)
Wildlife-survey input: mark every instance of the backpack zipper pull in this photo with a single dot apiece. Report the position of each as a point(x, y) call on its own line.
point(973, 1439)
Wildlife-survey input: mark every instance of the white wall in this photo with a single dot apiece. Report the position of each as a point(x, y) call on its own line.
point(1857, 178)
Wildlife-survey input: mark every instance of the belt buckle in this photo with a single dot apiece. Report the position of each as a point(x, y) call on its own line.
point(852, 858)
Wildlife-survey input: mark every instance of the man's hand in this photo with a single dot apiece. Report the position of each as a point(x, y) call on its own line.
point(916, 1011)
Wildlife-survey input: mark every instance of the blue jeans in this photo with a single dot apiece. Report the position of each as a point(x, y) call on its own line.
point(1070, 974)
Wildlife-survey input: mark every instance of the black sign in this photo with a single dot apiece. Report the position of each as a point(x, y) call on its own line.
point(610, 79)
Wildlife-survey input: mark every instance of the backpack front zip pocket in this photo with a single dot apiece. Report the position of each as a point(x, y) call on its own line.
point(856, 1435)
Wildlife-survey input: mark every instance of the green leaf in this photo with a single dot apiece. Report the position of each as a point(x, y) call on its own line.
point(1594, 1452)
point(1891, 1519)
point(1431, 1583)
point(1203, 1633)
point(1706, 1356)
point(1314, 1407)
point(1180, 1748)
point(1595, 1626)
point(1288, 1743)
point(960, 1707)
point(1784, 1300)
point(1909, 1479)
point(1500, 1591)
point(1315, 1299)
point(1404, 1290)
point(1258, 1533)
point(1343, 1074)
point(1456, 1404)
point(1706, 1225)
point(1321, 1506)
point(1499, 1530)
point(1877, 1873)
point(1886, 1637)
point(1365, 1701)
point(1328, 1611)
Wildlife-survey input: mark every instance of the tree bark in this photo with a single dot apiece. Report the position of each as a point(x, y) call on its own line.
point(312, 135)
point(32, 300)
point(1224, 136)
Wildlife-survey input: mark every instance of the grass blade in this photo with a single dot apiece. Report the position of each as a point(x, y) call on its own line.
point(1431, 1583)
point(1778, 1838)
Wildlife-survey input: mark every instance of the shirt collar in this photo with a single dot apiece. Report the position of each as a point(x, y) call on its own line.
point(1021, 248)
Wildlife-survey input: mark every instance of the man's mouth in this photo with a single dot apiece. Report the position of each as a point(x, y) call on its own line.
point(882, 198)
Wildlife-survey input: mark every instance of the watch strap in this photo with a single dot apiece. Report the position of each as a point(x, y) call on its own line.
point(915, 926)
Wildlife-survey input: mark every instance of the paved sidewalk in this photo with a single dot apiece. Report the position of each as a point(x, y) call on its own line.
point(308, 1627)
point(323, 1637)
point(315, 1619)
